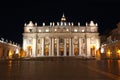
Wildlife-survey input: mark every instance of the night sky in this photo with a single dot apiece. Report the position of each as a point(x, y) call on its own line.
point(14, 14)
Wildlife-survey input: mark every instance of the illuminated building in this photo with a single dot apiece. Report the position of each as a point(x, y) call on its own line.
point(111, 47)
point(8, 50)
point(61, 39)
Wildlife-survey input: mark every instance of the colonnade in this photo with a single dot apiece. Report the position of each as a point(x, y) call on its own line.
point(68, 47)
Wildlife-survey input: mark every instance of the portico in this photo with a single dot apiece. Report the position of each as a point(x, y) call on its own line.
point(61, 39)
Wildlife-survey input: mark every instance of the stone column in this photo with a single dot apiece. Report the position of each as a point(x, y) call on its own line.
point(79, 46)
point(65, 47)
point(70, 47)
point(24, 43)
point(34, 47)
point(73, 47)
point(52, 46)
point(57, 46)
point(43, 46)
point(88, 47)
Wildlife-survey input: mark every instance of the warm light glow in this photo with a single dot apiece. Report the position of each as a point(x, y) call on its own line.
point(93, 50)
point(46, 50)
point(67, 30)
point(39, 30)
point(22, 53)
point(29, 51)
point(102, 50)
point(76, 51)
point(118, 65)
point(63, 19)
point(17, 51)
point(98, 55)
point(55, 29)
point(118, 51)
point(93, 46)
point(47, 30)
point(75, 30)
point(83, 30)
point(10, 54)
point(108, 53)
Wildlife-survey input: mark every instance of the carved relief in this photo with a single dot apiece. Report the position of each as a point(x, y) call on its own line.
point(47, 40)
point(75, 40)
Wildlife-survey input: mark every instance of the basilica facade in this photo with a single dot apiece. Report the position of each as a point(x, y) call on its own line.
point(61, 39)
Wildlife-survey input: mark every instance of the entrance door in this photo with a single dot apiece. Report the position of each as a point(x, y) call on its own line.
point(29, 48)
point(61, 51)
point(46, 50)
point(76, 51)
point(93, 51)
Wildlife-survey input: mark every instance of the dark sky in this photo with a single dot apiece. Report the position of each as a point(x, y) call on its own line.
point(13, 14)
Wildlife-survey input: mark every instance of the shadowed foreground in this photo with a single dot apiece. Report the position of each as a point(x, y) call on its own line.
point(59, 69)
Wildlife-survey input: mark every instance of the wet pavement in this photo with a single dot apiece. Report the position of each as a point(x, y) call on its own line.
point(59, 69)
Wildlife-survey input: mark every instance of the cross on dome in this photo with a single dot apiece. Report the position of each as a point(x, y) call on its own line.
point(63, 19)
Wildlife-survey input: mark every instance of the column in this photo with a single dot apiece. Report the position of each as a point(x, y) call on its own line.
point(34, 47)
point(42, 46)
point(70, 47)
point(79, 46)
point(88, 47)
point(73, 50)
point(65, 47)
point(57, 46)
point(24, 43)
point(52, 46)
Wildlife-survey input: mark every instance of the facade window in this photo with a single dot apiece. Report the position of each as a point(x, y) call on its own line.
point(30, 30)
point(61, 40)
point(93, 30)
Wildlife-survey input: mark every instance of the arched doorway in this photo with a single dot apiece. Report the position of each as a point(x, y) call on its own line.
point(76, 51)
point(93, 51)
point(55, 49)
point(61, 51)
point(29, 51)
point(10, 54)
point(67, 49)
point(46, 50)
